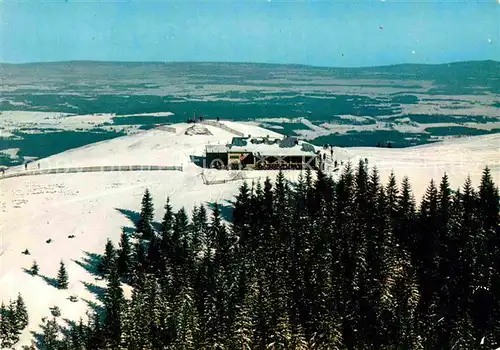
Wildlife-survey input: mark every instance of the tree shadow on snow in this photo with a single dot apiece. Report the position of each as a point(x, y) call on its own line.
point(133, 216)
point(94, 306)
point(98, 291)
point(49, 280)
point(128, 230)
point(90, 263)
point(226, 209)
point(28, 271)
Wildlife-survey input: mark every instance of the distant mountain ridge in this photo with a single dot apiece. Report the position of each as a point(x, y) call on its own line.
point(477, 76)
point(238, 90)
point(461, 64)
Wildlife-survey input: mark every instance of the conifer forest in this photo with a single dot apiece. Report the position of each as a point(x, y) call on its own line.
point(355, 263)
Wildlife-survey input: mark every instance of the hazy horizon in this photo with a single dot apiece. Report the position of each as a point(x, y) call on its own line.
point(250, 63)
point(322, 34)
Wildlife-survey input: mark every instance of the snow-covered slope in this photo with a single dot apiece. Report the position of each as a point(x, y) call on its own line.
point(457, 157)
point(95, 206)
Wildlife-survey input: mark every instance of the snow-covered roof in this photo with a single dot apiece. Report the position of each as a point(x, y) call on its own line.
point(265, 146)
point(271, 150)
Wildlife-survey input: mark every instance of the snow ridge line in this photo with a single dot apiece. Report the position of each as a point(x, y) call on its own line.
point(90, 169)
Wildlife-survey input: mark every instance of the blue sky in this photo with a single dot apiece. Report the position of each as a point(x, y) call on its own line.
point(322, 33)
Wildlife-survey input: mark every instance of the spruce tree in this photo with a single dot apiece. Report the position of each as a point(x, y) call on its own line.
point(76, 336)
point(168, 218)
point(113, 305)
point(21, 312)
point(62, 277)
point(34, 268)
point(124, 256)
point(205, 296)
point(281, 248)
point(50, 334)
point(95, 335)
point(154, 261)
point(445, 264)
point(380, 267)
point(138, 263)
point(5, 329)
point(299, 250)
point(199, 231)
point(180, 257)
point(405, 221)
point(107, 259)
point(157, 311)
point(186, 320)
point(392, 193)
point(14, 323)
point(243, 327)
point(144, 225)
point(167, 225)
point(489, 207)
point(427, 246)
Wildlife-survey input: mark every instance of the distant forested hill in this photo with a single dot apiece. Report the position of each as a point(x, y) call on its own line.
point(116, 77)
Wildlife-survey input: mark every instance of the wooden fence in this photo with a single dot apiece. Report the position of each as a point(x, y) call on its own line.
point(92, 169)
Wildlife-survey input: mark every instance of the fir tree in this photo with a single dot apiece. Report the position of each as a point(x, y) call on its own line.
point(186, 322)
point(113, 305)
point(199, 231)
point(134, 328)
point(154, 260)
point(34, 268)
point(5, 328)
point(405, 221)
point(180, 258)
point(50, 334)
point(144, 225)
point(444, 277)
point(62, 277)
point(21, 312)
point(392, 193)
point(168, 219)
point(167, 225)
point(489, 207)
point(242, 329)
point(76, 336)
point(95, 336)
point(157, 312)
point(427, 246)
point(14, 322)
point(124, 256)
point(139, 263)
point(107, 259)
point(280, 248)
